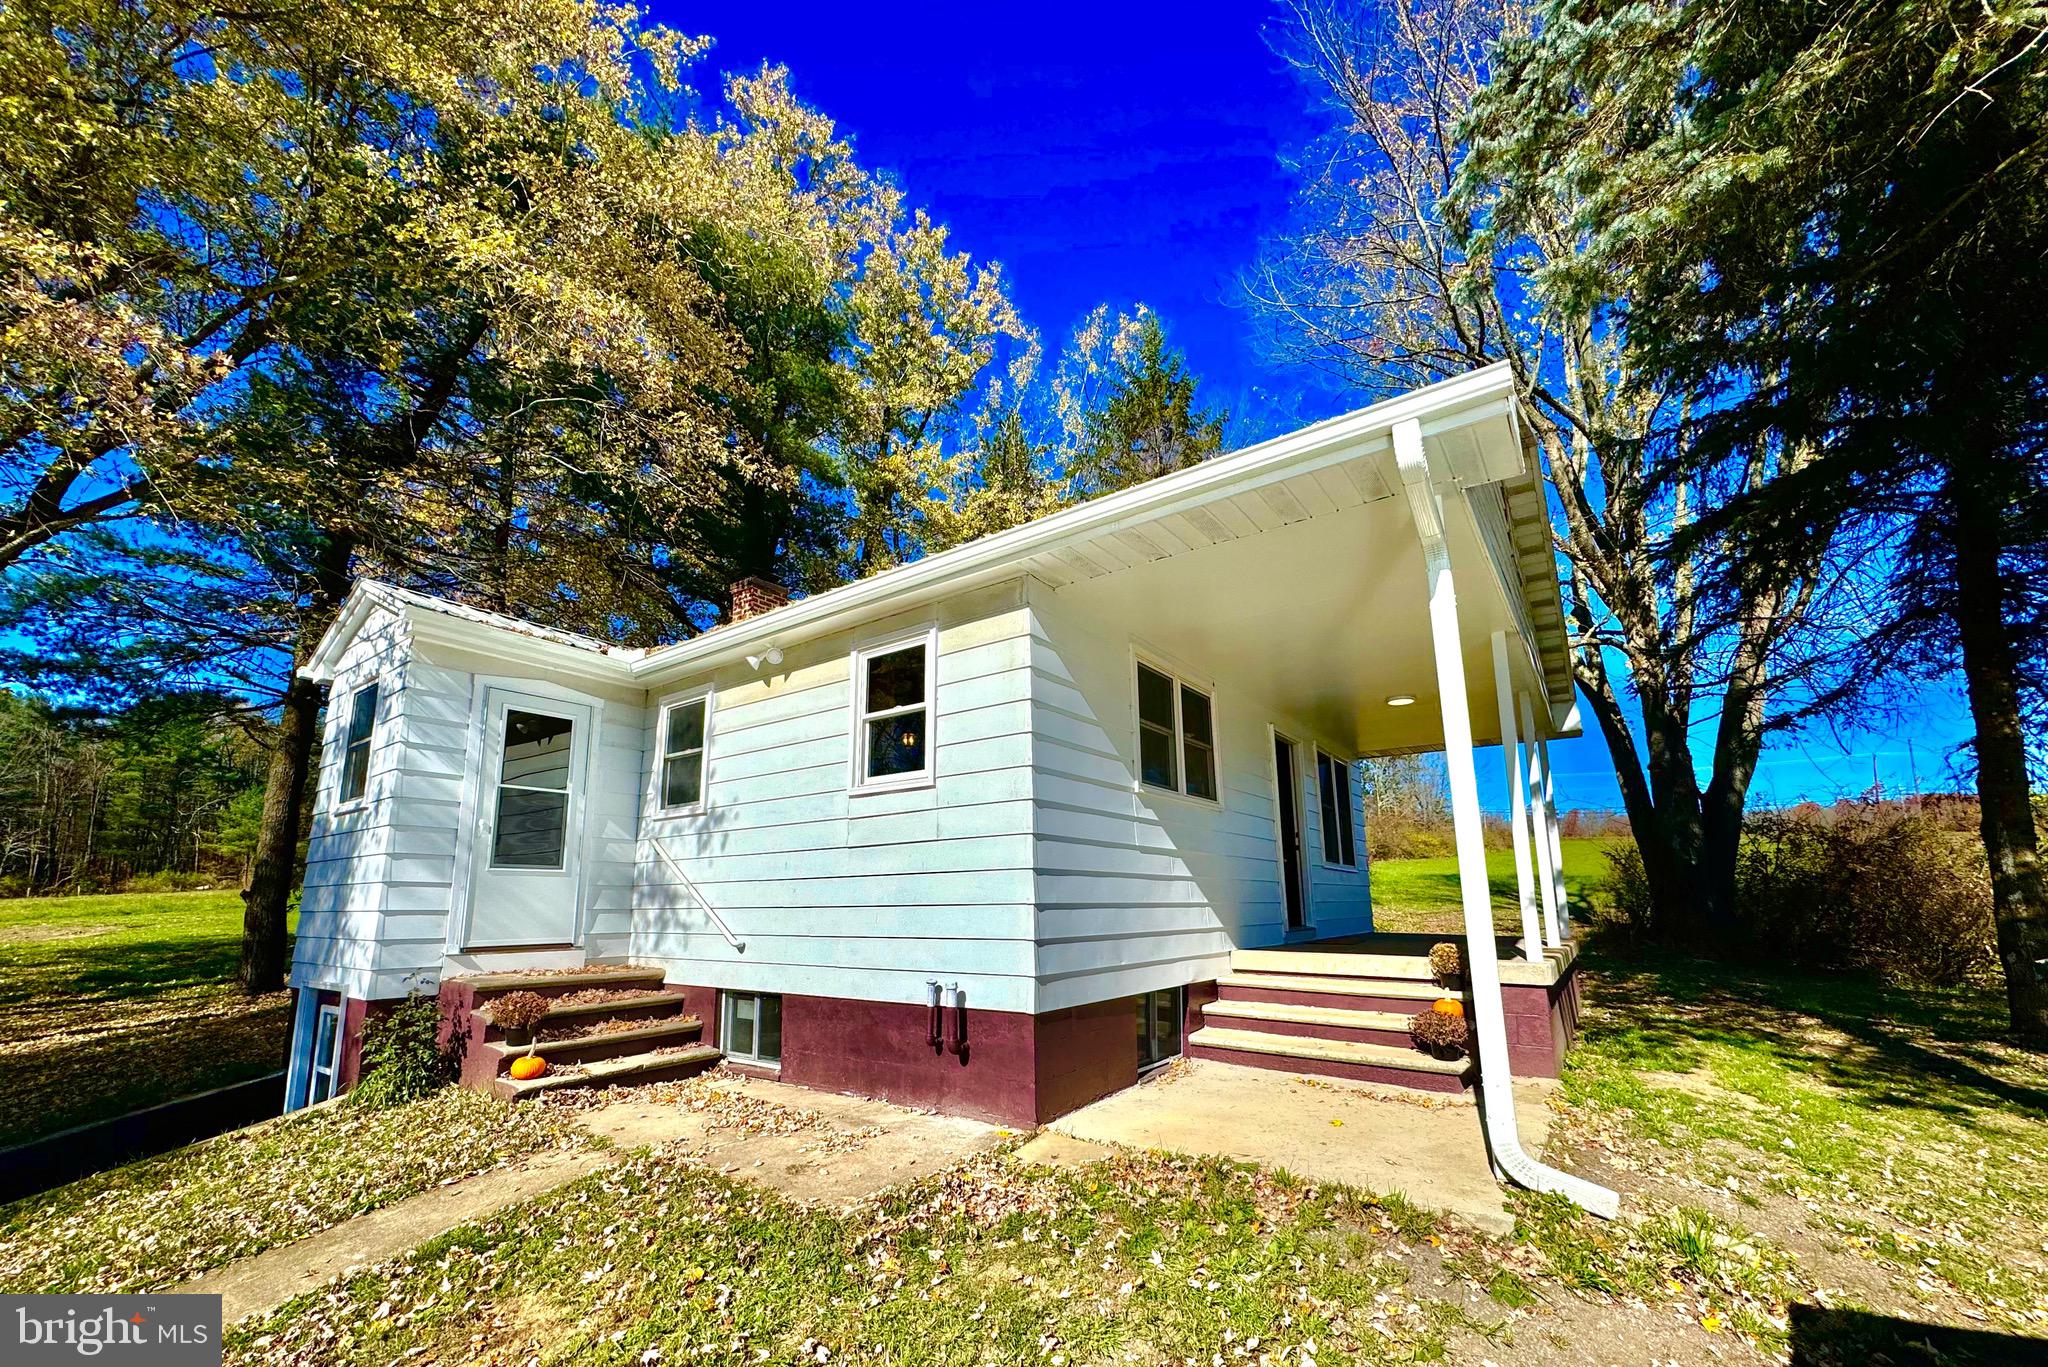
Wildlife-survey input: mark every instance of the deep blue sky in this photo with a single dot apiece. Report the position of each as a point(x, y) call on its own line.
point(1126, 152)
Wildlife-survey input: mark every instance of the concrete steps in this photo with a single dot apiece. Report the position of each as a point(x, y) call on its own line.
point(660, 1038)
point(1332, 1014)
point(1400, 1067)
point(665, 1066)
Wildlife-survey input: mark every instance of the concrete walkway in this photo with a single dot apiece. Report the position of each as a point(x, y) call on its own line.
point(810, 1147)
point(1379, 1139)
point(259, 1284)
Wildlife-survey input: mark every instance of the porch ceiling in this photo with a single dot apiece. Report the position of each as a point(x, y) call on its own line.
point(1309, 592)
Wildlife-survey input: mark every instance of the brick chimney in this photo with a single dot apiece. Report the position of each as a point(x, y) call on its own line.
point(753, 596)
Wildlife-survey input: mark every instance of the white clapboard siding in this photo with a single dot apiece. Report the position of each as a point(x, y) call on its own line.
point(346, 896)
point(1138, 890)
point(865, 895)
point(381, 904)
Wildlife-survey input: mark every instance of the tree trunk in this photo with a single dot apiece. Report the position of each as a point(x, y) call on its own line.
point(266, 902)
point(2019, 900)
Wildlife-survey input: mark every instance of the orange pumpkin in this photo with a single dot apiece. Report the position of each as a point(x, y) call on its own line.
point(1449, 1006)
point(528, 1067)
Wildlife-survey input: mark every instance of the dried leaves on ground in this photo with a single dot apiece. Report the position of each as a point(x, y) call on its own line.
point(154, 1223)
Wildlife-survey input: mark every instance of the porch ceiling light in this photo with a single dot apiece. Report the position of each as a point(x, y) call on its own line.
point(1400, 699)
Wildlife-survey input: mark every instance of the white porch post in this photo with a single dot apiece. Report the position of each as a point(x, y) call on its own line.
point(1518, 818)
point(1539, 831)
point(1564, 906)
point(1482, 965)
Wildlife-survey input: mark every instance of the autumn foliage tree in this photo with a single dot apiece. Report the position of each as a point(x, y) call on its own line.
point(1827, 220)
point(1398, 271)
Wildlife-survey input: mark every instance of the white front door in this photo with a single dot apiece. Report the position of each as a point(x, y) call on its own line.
point(527, 861)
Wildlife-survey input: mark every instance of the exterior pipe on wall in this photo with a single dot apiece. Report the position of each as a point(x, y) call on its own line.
point(1482, 966)
point(935, 1029)
point(958, 1048)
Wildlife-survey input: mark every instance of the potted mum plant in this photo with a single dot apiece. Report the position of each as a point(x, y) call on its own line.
point(1447, 961)
point(1440, 1034)
point(519, 1015)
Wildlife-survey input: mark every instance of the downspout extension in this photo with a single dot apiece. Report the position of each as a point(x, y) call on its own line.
point(1482, 961)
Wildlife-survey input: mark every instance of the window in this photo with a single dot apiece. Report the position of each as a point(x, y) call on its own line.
point(892, 741)
point(1176, 735)
point(752, 1032)
point(1159, 1016)
point(682, 753)
point(533, 792)
point(326, 1051)
point(1334, 780)
point(355, 748)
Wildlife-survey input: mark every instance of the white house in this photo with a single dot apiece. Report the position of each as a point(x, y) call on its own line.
point(994, 830)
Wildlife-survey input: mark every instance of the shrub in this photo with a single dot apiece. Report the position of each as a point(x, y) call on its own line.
point(403, 1059)
point(1440, 1033)
point(518, 1012)
point(1893, 889)
point(1628, 888)
point(1898, 889)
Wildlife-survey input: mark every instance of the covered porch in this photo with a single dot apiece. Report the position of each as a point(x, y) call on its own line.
point(1386, 580)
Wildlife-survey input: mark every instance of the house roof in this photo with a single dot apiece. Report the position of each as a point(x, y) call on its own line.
point(369, 595)
point(1470, 423)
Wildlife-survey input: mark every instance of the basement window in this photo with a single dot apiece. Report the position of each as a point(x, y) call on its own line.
point(355, 747)
point(326, 1054)
point(1159, 1017)
point(1333, 779)
point(752, 1029)
point(1176, 735)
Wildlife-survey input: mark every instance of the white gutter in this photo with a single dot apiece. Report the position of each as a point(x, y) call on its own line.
point(1482, 964)
point(1476, 396)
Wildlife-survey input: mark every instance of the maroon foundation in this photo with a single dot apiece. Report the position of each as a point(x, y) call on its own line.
point(1011, 1069)
point(1541, 1022)
point(356, 1014)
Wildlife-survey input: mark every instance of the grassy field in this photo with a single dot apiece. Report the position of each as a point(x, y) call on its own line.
point(112, 1003)
point(1422, 894)
point(1817, 1169)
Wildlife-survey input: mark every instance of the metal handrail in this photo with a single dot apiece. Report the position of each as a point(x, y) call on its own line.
point(677, 870)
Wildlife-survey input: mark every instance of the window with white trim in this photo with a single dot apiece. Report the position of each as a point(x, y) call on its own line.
point(752, 1029)
point(1176, 735)
point(326, 1055)
point(1159, 1018)
point(1333, 779)
point(683, 734)
point(892, 740)
point(355, 745)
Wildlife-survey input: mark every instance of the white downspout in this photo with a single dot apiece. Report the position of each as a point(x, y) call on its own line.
point(1518, 817)
point(1546, 868)
point(1496, 1084)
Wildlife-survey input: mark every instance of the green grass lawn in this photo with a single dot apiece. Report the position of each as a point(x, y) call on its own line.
point(108, 1004)
point(1422, 894)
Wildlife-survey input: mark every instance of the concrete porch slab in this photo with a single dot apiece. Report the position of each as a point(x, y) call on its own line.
point(1430, 1148)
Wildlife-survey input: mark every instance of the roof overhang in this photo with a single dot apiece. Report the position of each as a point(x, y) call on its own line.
point(444, 622)
point(1202, 543)
point(1477, 443)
